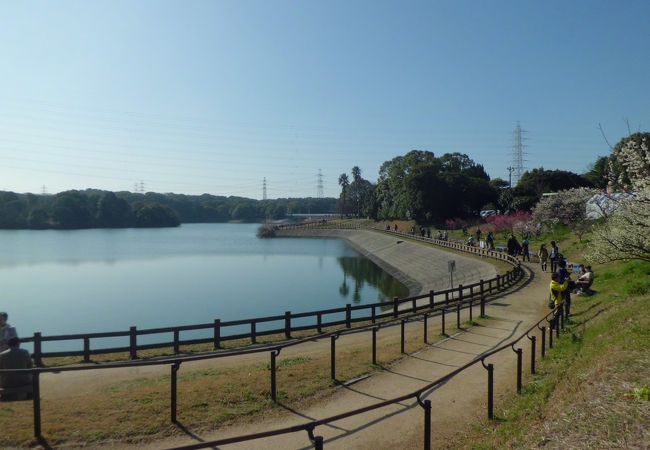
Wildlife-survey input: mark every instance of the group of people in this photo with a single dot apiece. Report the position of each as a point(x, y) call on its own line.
point(515, 248)
point(12, 357)
point(562, 286)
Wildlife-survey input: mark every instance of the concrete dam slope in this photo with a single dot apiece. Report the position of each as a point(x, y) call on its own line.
point(419, 267)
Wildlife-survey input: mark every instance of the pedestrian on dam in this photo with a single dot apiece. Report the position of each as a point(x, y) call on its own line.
point(556, 290)
point(525, 251)
point(554, 256)
point(543, 257)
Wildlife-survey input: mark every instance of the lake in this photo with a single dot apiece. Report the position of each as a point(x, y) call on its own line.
point(64, 282)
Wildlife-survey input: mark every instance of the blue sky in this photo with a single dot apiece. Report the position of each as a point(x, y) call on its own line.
point(214, 96)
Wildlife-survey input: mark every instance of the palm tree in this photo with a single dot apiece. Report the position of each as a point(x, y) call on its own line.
point(344, 182)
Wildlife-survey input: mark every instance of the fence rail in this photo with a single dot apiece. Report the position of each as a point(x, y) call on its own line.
point(285, 324)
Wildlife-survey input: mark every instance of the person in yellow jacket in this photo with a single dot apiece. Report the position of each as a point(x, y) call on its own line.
point(557, 295)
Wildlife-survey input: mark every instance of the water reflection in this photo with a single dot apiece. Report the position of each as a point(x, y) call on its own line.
point(363, 271)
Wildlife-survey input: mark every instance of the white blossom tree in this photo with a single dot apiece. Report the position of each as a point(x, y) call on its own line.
point(625, 234)
point(566, 207)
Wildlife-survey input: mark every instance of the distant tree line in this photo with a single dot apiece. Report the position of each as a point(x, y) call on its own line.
point(431, 189)
point(92, 208)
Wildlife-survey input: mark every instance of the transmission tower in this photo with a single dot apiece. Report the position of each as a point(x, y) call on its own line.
point(319, 185)
point(44, 190)
point(264, 189)
point(141, 187)
point(518, 152)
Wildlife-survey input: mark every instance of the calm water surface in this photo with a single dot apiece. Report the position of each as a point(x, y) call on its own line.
point(60, 282)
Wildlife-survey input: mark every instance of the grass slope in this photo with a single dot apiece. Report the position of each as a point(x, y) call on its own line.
point(593, 389)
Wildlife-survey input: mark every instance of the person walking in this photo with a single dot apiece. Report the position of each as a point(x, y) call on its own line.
point(556, 291)
point(565, 276)
point(525, 255)
point(543, 257)
point(554, 256)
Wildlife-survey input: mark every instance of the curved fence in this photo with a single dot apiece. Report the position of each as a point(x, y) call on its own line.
point(310, 426)
point(286, 324)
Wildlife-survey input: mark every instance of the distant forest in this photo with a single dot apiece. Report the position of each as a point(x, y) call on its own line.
point(93, 208)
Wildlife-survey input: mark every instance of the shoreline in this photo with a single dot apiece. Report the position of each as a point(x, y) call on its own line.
point(420, 268)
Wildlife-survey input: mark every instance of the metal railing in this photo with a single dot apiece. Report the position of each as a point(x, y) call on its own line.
point(310, 426)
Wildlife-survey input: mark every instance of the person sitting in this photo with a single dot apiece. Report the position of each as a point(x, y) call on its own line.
point(6, 331)
point(15, 385)
point(584, 281)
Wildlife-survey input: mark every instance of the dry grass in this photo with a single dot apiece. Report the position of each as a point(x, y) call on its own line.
point(138, 410)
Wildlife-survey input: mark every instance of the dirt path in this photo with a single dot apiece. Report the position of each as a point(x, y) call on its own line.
point(455, 404)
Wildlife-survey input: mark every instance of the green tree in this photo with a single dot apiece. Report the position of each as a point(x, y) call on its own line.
point(536, 182)
point(112, 212)
point(344, 182)
point(154, 215)
point(597, 175)
point(71, 210)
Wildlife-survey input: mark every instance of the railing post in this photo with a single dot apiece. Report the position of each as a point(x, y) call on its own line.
point(543, 329)
point(490, 369)
point(395, 306)
point(318, 442)
point(426, 330)
point(373, 315)
point(348, 315)
point(36, 388)
point(333, 339)
point(519, 369)
point(38, 353)
point(482, 307)
point(133, 344)
point(402, 336)
point(446, 297)
point(319, 322)
point(374, 345)
point(427, 424)
point(460, 294)
point(471, 307)
point(414, 307)
point(217, 334)
point(458, 316)
point(274, 392)
point(176, 343)
point(287, 324)
point(550, 337)
point(498, 282)
point(86, 349)
point(482, 288)
point(533, 344)
point(442, 317)
point(431, 295)
point(174, 383)
point(253, 332)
